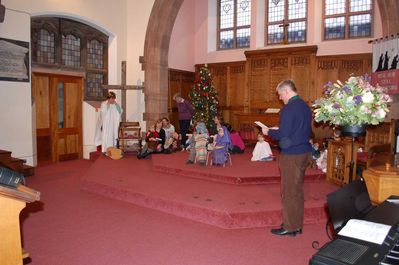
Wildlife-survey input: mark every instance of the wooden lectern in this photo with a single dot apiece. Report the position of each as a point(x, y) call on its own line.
point(12, 201)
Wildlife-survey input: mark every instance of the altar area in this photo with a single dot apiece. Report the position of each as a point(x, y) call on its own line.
point(244, 195)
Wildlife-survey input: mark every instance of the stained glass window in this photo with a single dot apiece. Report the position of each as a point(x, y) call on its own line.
point(71, 50)
point(344, 19)
point(286, 21)
point(65, 44)
point(45, 50)
point(95, 54)
point(94, 82)
point(234, 27)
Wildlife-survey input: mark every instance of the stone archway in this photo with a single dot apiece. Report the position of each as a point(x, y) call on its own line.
point(156, 51)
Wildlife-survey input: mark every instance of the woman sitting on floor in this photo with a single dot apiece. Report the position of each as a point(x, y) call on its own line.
point(155, 139)
point(221, 147)
point(262, 150)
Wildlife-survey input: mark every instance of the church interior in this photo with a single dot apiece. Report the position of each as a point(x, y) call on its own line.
point(60, 59)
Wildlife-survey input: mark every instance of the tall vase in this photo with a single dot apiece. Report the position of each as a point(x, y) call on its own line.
point(354, 130)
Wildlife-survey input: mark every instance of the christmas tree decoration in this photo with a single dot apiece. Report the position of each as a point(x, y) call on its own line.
point(204, 98)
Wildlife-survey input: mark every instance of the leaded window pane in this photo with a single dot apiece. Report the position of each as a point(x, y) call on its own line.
point(286, 21)
point(360, 25)
point(296, 9)
point(95, 54)
point(347, 19)
point(297, 32)
point(45, 50)
point(243, 37)
point(234, 28)
point(226, 14)
point(94, 82)
point(334, 28)
point(276, 10)
point(71, 50)
point(275, 34)
point(226, 39)
point(360, 5)
point(333, 7)
point(244, 13)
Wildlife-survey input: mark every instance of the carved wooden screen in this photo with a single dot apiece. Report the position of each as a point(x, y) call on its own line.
point(269, 67)
point(248, 87)
point(332, 68)
point(338, 160)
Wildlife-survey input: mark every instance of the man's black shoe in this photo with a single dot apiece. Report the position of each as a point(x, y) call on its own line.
point(283, 232)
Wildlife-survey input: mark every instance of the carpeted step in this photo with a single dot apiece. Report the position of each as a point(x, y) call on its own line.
point(243, 171)
point(219, 204)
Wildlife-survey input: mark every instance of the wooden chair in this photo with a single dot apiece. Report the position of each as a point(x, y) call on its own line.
point(130, 138)
point(379, 141)
point(210, 160)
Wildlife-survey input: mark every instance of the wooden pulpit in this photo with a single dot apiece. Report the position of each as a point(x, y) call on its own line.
point(338, 159)
point(12, 201)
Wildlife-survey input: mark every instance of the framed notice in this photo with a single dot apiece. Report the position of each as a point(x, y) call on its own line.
point(14, 60)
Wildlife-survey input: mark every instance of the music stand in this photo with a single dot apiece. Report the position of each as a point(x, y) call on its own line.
point(353, 134)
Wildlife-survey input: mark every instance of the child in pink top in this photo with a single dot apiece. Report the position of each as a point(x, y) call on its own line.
point(237, 144)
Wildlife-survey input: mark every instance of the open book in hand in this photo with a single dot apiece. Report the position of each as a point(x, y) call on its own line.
point(260, 124)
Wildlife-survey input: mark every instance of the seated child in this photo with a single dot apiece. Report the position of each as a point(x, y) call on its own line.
point(173, 143)
point(221, 146)
point(153, 143)
point(200, 138)
point(315, 152)
point(262, 151)
point(237, 144)
point(321, 161)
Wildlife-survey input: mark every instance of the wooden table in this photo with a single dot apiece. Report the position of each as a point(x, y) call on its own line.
point(382, 182)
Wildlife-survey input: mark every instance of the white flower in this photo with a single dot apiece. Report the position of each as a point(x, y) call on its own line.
point(380, 113)
point(352, 79)
point(349, 100)
point(368, 97)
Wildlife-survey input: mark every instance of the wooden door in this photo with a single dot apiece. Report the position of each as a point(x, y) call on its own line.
point(58, 116)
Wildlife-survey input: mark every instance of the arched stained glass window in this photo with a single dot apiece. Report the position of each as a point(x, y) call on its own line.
point(71, 50)
point(45, 51)
point(61, 43)
point(95, 54)
point(234, 24)
point(286, 21)
point(345, 19)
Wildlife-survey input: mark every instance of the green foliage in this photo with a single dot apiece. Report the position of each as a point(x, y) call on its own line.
point(356, 102)
point(204, 98)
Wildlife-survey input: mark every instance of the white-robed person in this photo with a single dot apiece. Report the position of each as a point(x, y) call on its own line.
point(108, 123)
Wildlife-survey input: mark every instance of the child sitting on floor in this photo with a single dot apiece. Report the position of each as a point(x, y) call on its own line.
point(262, 151)
point(237, 144)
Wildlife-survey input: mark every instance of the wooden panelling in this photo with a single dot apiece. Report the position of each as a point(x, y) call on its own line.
point(41, 94)
point(179, 82)
point(249, 87)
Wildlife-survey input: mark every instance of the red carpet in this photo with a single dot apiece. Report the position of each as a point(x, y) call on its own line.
point(243, 171)
point(73, 227)
point(220, 204)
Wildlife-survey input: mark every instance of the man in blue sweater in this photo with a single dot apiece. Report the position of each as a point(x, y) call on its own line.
point(293, 136)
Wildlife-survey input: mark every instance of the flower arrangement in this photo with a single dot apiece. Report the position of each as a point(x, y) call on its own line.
point(356, 102)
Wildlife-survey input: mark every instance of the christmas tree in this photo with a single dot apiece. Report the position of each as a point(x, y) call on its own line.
point(204, 98)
